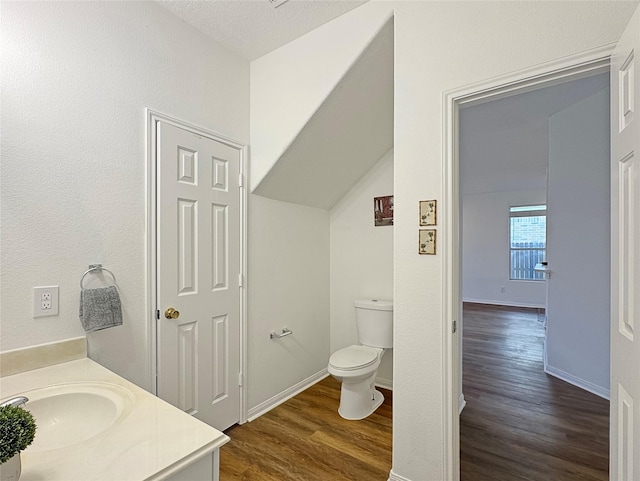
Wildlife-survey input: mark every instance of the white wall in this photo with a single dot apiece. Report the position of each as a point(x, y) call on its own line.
point(288, 287)
point(76, 77)
point(431, 57)
point(578, 240)
point(361, 257)
point(485, 250)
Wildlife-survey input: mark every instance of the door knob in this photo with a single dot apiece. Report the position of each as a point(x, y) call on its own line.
point(171, 313)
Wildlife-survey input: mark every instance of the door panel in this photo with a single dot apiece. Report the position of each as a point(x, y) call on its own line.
point(625, 269)
point(198, 271)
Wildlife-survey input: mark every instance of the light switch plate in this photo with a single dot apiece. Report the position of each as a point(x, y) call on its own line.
point(45, 301)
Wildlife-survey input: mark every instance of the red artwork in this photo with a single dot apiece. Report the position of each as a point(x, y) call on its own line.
point(383, 210)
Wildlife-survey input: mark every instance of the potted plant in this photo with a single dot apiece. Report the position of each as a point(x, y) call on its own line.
point(17, 429)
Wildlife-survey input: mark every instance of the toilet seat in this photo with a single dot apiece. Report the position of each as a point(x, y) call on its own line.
point(354, 357)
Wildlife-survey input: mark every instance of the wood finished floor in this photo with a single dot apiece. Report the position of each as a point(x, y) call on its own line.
point(304, 439)
point(520, 423)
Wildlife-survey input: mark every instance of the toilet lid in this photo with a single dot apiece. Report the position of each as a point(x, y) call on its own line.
point(353, 357)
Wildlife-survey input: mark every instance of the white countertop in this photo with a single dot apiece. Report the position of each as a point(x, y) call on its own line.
point(152, 441)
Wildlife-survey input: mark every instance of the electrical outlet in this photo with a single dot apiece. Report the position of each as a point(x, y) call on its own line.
point(45, 301)
point(502, 290)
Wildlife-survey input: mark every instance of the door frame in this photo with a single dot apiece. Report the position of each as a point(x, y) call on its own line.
point(152, 117)
point(584, 64)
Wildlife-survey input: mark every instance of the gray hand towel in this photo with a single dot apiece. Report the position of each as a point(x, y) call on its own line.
point(100, 308)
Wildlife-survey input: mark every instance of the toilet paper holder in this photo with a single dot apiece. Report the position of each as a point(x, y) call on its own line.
point(285, 332)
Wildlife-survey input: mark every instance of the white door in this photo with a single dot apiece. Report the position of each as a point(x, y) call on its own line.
point(625, 257)
point(198, 269)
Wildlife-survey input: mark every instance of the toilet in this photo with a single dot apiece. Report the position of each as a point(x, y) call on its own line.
point(356, 366)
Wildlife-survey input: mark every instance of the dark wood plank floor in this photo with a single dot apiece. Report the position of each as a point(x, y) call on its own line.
point(305, 439)
point(520, 423)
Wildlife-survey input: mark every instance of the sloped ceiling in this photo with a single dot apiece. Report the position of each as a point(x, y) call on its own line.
point(253, 28)
point(344, 138)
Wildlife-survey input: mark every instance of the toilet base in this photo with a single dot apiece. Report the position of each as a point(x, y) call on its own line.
point(358, 401)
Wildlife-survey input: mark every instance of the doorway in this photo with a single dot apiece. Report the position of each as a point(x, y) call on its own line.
point(579, 66)
point(519, 155)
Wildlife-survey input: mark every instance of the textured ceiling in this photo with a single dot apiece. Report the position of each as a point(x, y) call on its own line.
point(253, 28)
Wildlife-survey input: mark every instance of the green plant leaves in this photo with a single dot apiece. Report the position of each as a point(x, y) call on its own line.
point(17, 430)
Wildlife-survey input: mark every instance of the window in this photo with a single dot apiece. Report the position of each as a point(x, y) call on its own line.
point(527, 241)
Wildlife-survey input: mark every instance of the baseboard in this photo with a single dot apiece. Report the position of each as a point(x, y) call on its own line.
point(461, 403)
point(384, 383)
point(396, 477)
point(578, 382)
point(285, 395)
point(505, 303)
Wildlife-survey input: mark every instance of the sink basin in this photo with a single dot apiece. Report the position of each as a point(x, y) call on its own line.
point(68, 414)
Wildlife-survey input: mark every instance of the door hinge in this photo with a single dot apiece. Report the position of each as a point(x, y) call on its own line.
point(240, 280)
point(240, 380)
point(455, 326)
point(240, 180)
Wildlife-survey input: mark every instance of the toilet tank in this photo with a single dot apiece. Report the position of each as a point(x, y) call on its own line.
point(374, 319)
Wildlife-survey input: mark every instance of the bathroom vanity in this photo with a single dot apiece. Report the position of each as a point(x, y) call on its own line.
point(94, 425)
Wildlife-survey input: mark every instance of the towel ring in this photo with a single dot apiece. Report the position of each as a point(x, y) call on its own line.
point(95, 267)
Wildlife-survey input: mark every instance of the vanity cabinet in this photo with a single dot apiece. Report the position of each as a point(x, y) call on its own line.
point(147, 440)
point(206, 469)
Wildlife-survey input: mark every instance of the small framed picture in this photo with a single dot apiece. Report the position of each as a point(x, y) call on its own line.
point(383, 210)
point(427, 241)
point(428, 211)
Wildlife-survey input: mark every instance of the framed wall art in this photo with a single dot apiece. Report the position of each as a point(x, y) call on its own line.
point(427, 241)
point(428, 212)
point(383, 210)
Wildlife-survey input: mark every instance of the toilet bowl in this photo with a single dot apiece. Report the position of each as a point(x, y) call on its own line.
point(356, 366)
